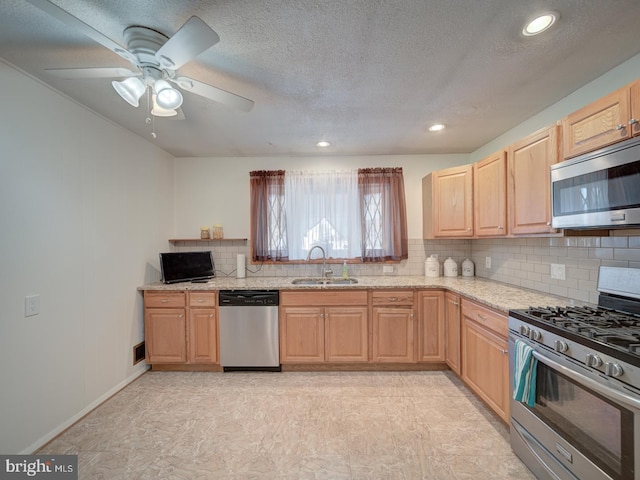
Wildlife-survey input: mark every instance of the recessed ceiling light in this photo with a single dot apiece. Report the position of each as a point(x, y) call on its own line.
point(436, 128)
point(323, 144)
point(540, 24)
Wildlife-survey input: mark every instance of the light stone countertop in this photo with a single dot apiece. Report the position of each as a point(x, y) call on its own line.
point(494, 294)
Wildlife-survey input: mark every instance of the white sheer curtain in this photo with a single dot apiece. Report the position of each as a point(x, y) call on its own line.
point(323, 208)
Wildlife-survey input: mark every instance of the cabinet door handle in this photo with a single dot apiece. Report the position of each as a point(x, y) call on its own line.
point(211, 315)
point(181, 315)
point(621, 126)
point(504, 352)
point(455, 303)
point(633, 121)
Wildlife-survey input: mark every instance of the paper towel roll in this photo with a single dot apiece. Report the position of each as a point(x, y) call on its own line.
point(241, 261)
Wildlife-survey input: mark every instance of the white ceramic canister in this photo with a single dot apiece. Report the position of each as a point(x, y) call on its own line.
point(468, 268)
point(432, 267)
point(450, 268)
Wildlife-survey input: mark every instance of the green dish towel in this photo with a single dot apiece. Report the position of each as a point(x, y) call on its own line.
point(524, 374)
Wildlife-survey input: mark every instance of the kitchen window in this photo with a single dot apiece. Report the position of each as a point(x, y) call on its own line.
point(358, 214)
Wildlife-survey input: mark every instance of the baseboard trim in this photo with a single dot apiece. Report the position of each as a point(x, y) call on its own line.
point(42, 441)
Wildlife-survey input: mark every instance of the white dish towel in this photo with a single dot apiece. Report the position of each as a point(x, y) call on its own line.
point(524, 374)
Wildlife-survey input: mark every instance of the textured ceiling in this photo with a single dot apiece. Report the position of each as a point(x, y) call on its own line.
point(370, 76)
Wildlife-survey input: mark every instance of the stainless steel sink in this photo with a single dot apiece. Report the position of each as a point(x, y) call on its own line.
point(324, 281)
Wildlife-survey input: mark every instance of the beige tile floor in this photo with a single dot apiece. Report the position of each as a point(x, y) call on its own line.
point(323, 425)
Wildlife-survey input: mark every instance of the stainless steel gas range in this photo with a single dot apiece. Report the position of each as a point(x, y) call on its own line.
point(584, 422)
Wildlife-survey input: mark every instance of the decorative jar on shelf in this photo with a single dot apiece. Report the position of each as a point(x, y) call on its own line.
point(204, 233)
point(217, 232)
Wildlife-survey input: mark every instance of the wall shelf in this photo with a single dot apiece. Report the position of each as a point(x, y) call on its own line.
point(206, 240)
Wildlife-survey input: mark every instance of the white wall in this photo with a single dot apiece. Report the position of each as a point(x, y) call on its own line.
point(85, 207)
point(216, 190)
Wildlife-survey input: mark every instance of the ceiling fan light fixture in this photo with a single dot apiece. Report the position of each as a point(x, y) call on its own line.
point(167, 97)
point(436, 127)
point(158, 111)
point(130, 89)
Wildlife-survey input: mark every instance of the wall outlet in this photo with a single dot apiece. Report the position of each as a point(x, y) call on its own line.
point(558, 271)
point(487, 262)
point(387, 269)
point(31, 305)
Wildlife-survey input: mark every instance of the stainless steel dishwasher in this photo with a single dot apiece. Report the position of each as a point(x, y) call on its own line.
point(249, 337)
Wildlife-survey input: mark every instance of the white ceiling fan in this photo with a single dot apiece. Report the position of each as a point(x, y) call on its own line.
point(156, 59)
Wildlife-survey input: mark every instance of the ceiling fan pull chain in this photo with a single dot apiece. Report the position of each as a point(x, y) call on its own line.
point(151, 119)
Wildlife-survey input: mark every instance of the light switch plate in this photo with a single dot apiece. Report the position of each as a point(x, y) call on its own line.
point(487, 262)
point(387, 269)
point(31, 305)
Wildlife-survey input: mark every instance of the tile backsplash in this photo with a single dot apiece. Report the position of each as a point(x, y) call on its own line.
point(225, 252)
point(524, 262)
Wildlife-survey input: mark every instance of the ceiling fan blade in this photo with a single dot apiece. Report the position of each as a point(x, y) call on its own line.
point(78, 25)
point(214, 93)
point(193, 38)
point(97, 72)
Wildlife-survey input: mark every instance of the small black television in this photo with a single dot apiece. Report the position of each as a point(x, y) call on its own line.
point(186, 266)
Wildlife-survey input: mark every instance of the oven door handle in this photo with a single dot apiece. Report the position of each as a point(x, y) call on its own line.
point(616, 395)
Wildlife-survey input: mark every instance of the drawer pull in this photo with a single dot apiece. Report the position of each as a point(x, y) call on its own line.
point(201, 300)
point(393, 299)
point(482, 317)
point(164, 300)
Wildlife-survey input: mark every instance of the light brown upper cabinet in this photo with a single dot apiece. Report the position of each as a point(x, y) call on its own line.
point(490, 195)
point(447, 203)
point(529, 182)
point(634, 121)
point(608, 120)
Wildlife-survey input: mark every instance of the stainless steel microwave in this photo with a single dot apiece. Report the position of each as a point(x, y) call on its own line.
point(600, 189)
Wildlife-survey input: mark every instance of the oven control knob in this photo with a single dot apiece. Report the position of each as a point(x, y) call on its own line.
point(561, 346)
point(535, 335)
point(613, 369)
point(593, 360)
point(524, 330)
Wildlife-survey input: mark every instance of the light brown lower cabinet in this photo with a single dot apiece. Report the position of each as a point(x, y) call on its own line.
point(393, 326)
point(202, 341)
point(311, 332)
point(431, 326)
point(181, 327)
point(393, 335)
point(452, 331)
point(485, 359)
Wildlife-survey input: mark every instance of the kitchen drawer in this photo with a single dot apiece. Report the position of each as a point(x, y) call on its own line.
point(486, 317)
point(392, 297)
point(164, 299)
point(202, 299)
point(327, 298)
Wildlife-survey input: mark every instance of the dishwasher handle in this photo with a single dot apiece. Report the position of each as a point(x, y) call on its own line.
point(250, 298)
